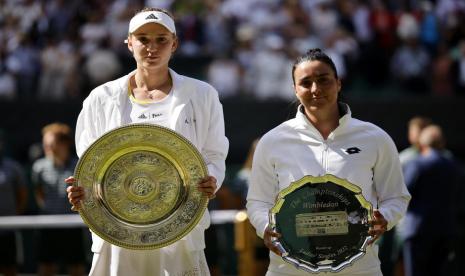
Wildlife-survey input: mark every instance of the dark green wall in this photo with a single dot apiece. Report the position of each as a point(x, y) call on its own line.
point(247, 119)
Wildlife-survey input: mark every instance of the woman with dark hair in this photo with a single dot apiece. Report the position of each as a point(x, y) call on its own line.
point(322, 139)
point(155, 94)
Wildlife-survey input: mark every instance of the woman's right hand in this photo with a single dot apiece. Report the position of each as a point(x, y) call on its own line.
point(75, 193)
point(269, 233)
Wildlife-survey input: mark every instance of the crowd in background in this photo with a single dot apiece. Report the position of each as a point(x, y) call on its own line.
point(56, 50)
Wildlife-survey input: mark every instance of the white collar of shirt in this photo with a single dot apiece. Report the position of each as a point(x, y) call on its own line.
point(304, 123)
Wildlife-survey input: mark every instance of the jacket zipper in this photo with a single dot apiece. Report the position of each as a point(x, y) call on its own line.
point(324, 157)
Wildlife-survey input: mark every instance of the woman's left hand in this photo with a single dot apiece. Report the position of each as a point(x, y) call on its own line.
point(208, 186)
point(378, 226)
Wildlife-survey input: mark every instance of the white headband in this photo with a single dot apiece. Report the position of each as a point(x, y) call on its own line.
point(158, 17)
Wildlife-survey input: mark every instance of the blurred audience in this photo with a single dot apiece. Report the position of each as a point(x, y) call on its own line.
point(270, 78)
point(442, 76)
point(459, 68)
point(363, 36)
point(13, 199)
point(57, 80)
point(410, 62)
point(7, 80)
point(102, 65)
point(54, 245)
point(24, 63)
point(224, 74)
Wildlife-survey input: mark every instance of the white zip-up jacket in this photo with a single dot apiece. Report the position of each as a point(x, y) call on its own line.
point(197, 114)
point(296, 148)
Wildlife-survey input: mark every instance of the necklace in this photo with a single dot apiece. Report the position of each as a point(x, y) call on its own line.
point(152, 93)
point(155, 94)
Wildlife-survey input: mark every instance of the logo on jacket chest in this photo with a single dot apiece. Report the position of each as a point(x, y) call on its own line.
point(149, 115)
point(353, 150)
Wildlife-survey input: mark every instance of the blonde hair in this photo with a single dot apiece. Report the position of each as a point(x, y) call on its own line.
point(420, 122)
point(432, 137)
point(61, 131)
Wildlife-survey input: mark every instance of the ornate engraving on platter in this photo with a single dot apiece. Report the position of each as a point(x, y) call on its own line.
point(141, 187)
point(140, 183)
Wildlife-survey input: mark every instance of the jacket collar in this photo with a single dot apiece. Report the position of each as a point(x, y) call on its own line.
point(181, 97)
point(120, 96)
point(304, 123)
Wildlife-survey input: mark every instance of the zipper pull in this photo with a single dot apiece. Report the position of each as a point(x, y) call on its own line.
point(326, 146)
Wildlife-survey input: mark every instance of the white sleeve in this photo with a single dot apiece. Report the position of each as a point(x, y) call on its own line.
point(263, 187)
point(393, 196)
point(215, 148)
point(85, 134)
point(86, 129)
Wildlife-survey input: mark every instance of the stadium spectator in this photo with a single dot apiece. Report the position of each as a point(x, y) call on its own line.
point(13, 199)
point(7, 81)
point(442, 76)
point(24, 63)
point(224, 74)
point(390, 245)
point(458, 69)
point(268, 71)
point(430, 224)
point(102, 65)
point(415, 126)
point(410, 62)
point(55, 248)
point(59, 65)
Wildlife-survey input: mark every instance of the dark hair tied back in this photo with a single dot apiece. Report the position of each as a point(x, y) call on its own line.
point(311, 55)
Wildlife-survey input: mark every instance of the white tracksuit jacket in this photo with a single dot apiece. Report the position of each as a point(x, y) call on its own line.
point(197, 114)
point(296, 148)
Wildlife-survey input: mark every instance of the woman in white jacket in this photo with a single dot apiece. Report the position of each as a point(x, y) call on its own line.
point(322, 139)
point(153, 93)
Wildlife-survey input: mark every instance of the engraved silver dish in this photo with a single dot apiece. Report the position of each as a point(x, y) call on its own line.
point(323, 222)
